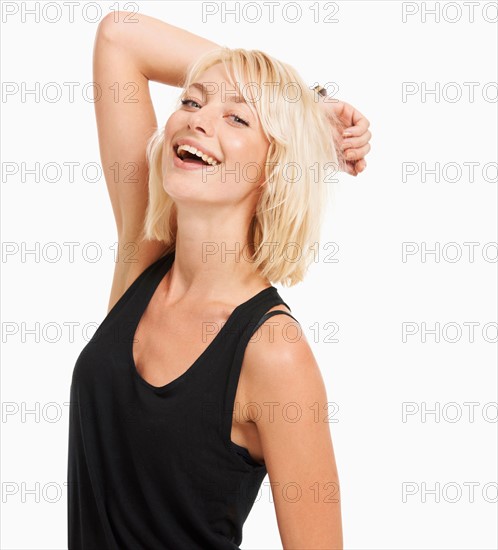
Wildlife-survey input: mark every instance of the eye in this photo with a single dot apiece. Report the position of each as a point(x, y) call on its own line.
point(186, 101)
point(239, 120)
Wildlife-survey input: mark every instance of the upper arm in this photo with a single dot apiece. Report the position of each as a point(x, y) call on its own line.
point(125, 122)
point(285, 383)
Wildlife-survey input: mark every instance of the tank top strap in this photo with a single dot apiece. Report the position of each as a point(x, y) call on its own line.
point(257, 317)
point(271, 314)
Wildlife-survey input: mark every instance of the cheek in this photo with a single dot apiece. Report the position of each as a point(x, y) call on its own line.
point(176, 122)
point(237, 147)
point(249, 155)
point(242, 150)
point(170, 127)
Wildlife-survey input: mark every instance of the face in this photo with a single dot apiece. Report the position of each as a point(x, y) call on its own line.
point(229, 132)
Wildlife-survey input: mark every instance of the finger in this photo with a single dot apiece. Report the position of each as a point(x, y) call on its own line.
point(357, 154)
point(357, 167)
point(357, 141)
point(360, 166)
point(360, 126)
point(336, 105)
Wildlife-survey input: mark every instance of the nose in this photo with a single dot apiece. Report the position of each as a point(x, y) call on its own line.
point(201, 121)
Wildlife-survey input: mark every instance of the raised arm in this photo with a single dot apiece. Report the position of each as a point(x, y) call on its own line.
point(126, 56)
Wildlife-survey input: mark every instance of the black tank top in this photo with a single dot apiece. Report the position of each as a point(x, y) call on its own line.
point(154, 468)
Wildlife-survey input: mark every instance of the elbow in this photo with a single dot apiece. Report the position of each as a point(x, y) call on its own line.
point(105, 28)
point(111, 26)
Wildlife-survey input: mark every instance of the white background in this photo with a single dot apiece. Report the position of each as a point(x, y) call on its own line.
point(370, 372)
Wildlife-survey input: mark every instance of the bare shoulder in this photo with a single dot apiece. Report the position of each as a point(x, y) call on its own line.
point(279, 362)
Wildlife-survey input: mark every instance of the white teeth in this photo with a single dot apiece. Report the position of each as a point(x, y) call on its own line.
point(200, 154)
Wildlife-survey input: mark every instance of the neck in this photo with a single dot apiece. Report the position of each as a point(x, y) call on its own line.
point(212, 258)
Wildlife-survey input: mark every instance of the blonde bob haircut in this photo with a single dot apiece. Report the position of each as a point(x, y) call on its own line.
point(285, 230)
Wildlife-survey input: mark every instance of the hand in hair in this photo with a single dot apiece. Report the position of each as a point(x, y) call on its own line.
point(350, 133)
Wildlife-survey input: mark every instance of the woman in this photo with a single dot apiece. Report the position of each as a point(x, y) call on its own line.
point(195, 385)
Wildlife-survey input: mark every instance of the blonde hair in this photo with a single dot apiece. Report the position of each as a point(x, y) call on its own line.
point(294, 195)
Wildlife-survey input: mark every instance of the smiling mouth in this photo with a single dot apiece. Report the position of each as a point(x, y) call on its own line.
point(191, 155)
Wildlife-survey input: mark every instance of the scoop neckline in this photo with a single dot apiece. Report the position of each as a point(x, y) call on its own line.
point(138, 317)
